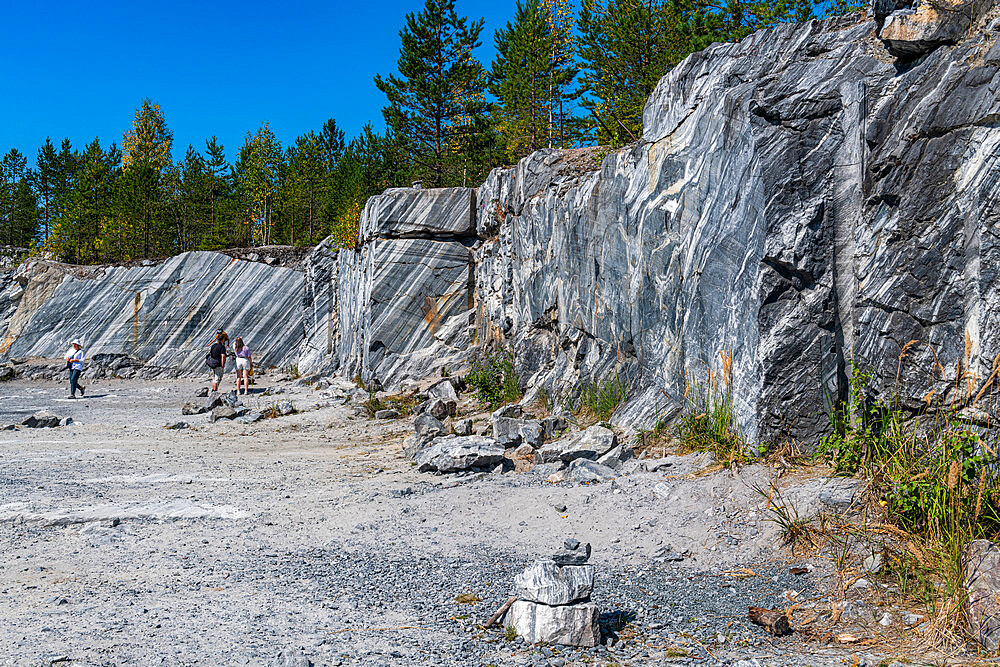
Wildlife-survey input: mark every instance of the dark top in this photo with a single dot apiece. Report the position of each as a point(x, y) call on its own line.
point(218, 349)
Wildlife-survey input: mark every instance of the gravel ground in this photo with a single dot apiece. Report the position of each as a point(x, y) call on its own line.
point(310, 538)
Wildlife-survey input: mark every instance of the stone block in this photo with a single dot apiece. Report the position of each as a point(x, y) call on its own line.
point(569, 625)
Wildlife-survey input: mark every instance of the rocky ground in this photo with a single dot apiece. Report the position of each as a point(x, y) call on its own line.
point(310, 539)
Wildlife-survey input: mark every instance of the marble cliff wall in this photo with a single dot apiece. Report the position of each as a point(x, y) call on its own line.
point(813, 195)
point(808, 197)
point(162, 315)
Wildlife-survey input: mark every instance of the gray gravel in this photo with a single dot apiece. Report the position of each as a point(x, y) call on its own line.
point(309, 538)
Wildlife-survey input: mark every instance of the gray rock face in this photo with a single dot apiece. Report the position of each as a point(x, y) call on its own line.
point(457, 453)
point(164, 314)
point(572, 625)
point(415, 213)
point(547, 583)
point(795, 201)
point(981, 563)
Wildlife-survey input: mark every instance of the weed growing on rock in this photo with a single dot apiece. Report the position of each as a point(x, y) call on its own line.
point(293, 371)
point(708, 420)
point(494, 379)
point(602, 397)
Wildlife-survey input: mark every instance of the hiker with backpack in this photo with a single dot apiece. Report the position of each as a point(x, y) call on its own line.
point(216, 359)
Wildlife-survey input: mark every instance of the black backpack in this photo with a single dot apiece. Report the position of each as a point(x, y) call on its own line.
point(212, 361)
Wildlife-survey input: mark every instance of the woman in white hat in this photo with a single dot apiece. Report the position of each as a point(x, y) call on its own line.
point(74, 361)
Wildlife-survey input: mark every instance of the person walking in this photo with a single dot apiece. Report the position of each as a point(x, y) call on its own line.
point(244, 365)
point(216, 358)
point(75, 356)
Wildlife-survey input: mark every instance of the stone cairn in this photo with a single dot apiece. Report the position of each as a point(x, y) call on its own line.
point(553, 604)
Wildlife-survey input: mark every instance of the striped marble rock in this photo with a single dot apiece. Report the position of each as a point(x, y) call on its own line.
point(414, 212)
point(404, 307)
point(164, 314)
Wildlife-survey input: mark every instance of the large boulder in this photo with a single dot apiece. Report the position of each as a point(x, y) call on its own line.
point(458, 453)
point(981, 566)
point(569, 625)
point(546, 582)
point(511, 432)
point(593, 443)
point(910, 32)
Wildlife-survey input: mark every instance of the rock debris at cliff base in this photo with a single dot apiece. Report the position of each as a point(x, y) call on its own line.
point(310, 535)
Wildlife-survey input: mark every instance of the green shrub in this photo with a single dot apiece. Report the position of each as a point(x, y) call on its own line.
point(494, 379)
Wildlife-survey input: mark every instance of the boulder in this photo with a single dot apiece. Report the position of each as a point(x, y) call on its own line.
point(176, 426)
point(457, 453)
point(511, 432)
point(593, 443)
point(546, 582)
point(911, 32)
point(463, 427)
point(387, 414)
point(66, 421)
point(231, 399)
point(441, 408)
point(41, 419)
point(284, 408)
point(250, 417)
point(547, 469)
point(568, 625)
point(194, 409)
point(513, 411)
point(427, 427)
point(6, 372)
point(586, 471)
point(553, 424)
point(202, 393)
point(443, 389)
point(981, 568)
point(618, 455)
point(224, 412)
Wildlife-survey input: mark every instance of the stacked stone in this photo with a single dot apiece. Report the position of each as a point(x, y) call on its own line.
point(554, 599)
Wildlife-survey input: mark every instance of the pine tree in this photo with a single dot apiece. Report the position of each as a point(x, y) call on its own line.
point(530, 79)
point(12, 168)
point(42, 180)
point(436, 102)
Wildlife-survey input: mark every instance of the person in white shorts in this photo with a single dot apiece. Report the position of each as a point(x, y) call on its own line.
point(244, 365)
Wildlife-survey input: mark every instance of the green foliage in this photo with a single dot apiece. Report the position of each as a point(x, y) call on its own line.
point(708, 419)
point(602, 397)
point(531, 78)
point(626, 46)
point(931, 472)
point(494, 379)
point(436, 105)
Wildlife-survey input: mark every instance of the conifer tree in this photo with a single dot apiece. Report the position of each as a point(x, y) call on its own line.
point(530, 78)
point(436, 103)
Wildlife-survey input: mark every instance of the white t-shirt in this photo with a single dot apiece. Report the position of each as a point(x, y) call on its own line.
point(76, 358)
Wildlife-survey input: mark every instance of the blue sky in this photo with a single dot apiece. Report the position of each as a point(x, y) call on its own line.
point(80, 69)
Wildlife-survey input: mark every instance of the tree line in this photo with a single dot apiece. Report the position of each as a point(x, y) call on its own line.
point(559, 79)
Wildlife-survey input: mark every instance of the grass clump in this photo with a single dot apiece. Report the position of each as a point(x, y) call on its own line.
point(708, 420)
point(494, 380)
point(293, 371)
point(933, 482)
point(602, 397)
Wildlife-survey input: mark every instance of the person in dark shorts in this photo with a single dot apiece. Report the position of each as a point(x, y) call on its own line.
point(216, 358)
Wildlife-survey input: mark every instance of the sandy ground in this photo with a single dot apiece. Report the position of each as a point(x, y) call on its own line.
point(310, 538)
